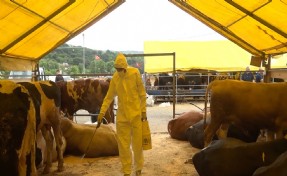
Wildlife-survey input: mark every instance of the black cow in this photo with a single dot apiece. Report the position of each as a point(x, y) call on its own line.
point(193, 80)
point(165, 81)
point(278, 167)
point(232, 157)
point(195, 134)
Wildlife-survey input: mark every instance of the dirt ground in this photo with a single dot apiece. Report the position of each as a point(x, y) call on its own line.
point(167, 157)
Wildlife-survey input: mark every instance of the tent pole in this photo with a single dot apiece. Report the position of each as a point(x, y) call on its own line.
point(267, 77)
point(174, 89)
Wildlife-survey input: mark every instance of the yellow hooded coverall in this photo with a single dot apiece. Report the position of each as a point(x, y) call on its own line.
point(131, 94)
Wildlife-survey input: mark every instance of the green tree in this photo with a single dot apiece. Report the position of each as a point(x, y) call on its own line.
point(92, 67)
point(100, 66)
point(110, 67)
point(73, 70)
point(50, 66)
point(73, 55)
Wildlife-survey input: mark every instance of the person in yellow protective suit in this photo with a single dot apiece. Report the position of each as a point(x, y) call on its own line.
point(127, 84)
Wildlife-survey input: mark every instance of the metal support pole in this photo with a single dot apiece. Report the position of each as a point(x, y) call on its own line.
point(173, 86)
point(267, 77)
point(84, 59)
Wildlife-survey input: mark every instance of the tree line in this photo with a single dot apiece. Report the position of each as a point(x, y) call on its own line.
point(70, 59)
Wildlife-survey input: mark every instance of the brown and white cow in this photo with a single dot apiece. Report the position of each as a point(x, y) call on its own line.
point(17, 130)
point(46, 98)
point(247, 105)
point(87, 94)
point(79, 136)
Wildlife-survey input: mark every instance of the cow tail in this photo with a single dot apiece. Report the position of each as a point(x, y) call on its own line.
point(205, 104)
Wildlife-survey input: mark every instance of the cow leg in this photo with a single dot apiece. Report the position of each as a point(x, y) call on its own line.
point(94, 119)
point(70, 116)
point(222, 131)
point(22, 166)
point(32, 161)
point(210, 131)
point(270, 135)
point(263, 133)
point(28, 163)
point(48, 136)
point(56, 124)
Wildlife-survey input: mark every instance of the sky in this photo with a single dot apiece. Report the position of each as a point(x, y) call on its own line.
point(135, 21)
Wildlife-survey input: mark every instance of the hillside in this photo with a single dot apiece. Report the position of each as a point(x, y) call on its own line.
point(70, 59)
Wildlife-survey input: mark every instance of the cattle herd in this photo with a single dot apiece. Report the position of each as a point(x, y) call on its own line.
point(229, 132)
point(188, 85)
point(34, 132)
point(163, 81)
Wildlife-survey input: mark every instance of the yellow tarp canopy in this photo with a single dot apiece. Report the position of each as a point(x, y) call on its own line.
point(259, 27)
point(31, 29)
point(220, 55)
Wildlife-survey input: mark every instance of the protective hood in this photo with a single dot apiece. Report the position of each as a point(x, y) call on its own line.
point(121, 61)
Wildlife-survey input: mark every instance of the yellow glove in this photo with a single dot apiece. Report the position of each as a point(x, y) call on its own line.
point(144, 118)
point(100, 119)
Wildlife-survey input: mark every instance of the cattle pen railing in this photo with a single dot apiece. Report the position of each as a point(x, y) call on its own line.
point(94, 117)
point(181, 95)
point(174, 92)
point(189, 86)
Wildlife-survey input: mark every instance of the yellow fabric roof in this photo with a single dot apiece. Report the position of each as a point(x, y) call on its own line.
point(221, 55)
point(31, 29)
point(257, 26)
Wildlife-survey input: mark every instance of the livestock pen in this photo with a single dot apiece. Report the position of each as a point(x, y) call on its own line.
point(189, 86)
